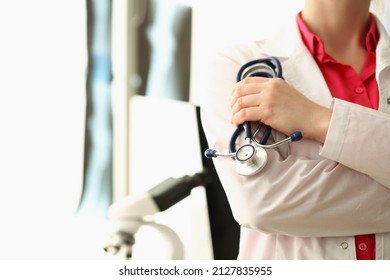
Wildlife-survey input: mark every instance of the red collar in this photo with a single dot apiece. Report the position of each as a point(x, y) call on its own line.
point(316, 46)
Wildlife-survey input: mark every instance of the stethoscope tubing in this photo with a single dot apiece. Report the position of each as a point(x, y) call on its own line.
point(275, 68)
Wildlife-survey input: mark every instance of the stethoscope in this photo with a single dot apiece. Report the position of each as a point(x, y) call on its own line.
point(251, 157)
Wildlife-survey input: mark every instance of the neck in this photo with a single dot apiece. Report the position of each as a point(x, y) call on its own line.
point(337, 21)
point(341, 25)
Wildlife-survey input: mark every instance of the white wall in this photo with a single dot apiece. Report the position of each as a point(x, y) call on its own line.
point(42, 117)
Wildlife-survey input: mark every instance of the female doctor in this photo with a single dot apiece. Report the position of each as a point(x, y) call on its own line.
point(328, 195)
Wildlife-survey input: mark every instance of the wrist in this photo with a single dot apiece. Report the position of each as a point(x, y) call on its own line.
point(319, 124)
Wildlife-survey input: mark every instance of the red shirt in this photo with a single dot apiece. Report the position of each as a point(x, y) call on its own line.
point(344, 83)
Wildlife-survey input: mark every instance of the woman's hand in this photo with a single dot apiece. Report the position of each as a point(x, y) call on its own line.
point(277, 104)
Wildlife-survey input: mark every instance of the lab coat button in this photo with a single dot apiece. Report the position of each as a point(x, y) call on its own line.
point(359, 90)
point(362, 246)
point(344, 245)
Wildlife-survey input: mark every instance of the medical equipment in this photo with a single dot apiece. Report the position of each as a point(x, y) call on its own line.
point(251, 157)
point(130, 213)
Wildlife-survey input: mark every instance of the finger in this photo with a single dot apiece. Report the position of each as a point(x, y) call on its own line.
point(247, 114)
point(252, 100)
point(242, 89)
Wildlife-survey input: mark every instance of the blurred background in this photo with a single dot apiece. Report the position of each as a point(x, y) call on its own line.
point(74, 137)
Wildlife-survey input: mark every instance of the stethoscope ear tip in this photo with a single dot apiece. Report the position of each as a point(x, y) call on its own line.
point(296, 136)
point(210, 153)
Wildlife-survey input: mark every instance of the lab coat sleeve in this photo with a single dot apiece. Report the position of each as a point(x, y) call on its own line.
point(357, 138)
point(342, 192)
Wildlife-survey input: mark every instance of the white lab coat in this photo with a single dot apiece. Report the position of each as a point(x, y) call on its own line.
point(310, 199)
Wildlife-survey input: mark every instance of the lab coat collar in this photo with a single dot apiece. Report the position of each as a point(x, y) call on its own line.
point(286, 41)
point(383, 48)
point(288, 46)
point(383, 67)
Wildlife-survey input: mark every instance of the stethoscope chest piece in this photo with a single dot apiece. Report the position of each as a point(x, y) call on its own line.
point(250, 159)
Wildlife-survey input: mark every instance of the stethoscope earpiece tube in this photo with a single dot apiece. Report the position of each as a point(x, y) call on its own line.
point(269, 67)
point(251, 157)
